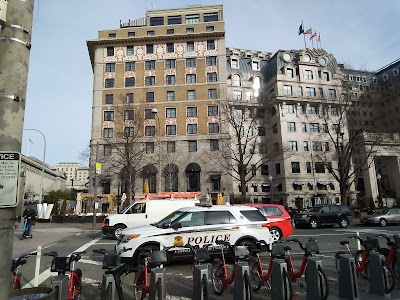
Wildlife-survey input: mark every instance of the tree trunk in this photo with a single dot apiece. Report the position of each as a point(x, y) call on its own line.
point(343, 197)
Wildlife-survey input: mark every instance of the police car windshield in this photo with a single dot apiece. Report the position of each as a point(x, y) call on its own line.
point(169, 219)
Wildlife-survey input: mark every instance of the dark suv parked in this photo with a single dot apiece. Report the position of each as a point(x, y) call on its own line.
point(327, 214)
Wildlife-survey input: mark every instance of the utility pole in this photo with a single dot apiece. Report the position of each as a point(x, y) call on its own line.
point(95, 187)
point(15, 44)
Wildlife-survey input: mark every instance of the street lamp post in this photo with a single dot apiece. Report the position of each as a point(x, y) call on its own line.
point(272, 193)
point(379, 177)
point(155, 112)
point(72, 186)
point(44, 158)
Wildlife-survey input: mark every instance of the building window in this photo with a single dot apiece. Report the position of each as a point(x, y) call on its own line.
point(149, 49)
point(308, 74)
point(293, 145)
point(257, 82)
point(190, 78)
point(310, 92)
point(211, 61)
point(327, 146)
point(171, 130)
point(109, 83)
point(190, 46)
point(212, 93)
point(212, 77)
point(237, 95)
point(291, 126)
point(171, 113)
point(213, 127)
point(210, 45)
point(107, 150)
point(263, 149)
point(109, 115)
point(192, 146)
point(131, 34)
point(150, 130)
point(234, 64)
point(172, 20)
point(275, 128)
point(129, 81)
point(295, 167)
point(212, 110)
point(170, 96)
point(211, 17)
point(190, 30)
point(108, 133)
point(287, 90)
point(319, 167)
point(110, 51)
point(325, 76)
point(170, 79)
point(129, 50)
point(192, 128)
point(149, 148)
point(149, 96)
point(156, 21)
point(110, 67)
point(317, 146)
point(300, 91)
point(303, 127)
point(150, 80)
point(289, 109)
point(150, 33)
point(236, 80)
point(312, 110)
point(305, 145)
point(129, 115)
point(289, 73)
point(191, 112)
point(277, 168)
point(192, 19)
point(191, 95)
point(314, 127)
point(255, 65)
point(191, 62)
point(170, 64)
point(130, 66)
point(334, 111)
point(150, 65)
point(214, 145)
point(332, 93)
point(171, 147)
point(325, 128)
point(308, 167)
point(170, 31)
point(261, 131)
point(128, 132)
point(109, 99)
point(209, 28)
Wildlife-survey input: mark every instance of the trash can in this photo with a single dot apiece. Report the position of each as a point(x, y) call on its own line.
point(36, 293)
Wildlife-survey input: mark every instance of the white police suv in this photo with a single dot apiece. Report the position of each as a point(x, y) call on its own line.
point(197, 225)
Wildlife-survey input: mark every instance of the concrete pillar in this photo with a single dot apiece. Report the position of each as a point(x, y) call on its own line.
point(370, 181)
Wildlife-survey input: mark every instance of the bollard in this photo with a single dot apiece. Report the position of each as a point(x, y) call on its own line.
point(239, 286)
point(376, 278)
point(198, 272)
point(312, 278)
point(157, 275)
point(37, 267)
point(277, 284)
point(60, 283)
point(348, 286)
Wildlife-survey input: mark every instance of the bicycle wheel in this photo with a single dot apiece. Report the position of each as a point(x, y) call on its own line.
point(138, 288)
point(388, 272)
point(323, 283)
point(204, 287)
point(217, 274)
point(247, 287)
point(255, 277)
point(358, 260)
point(287, 285)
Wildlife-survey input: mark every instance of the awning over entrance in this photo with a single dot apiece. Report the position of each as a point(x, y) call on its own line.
point(193, 167)
point(298, 183)
point(323, 182)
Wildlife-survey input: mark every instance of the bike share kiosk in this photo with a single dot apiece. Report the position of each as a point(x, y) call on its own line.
point(157, 259)
point(60, 282)
point(241, 268)
point(200, 271)
point(348, 286)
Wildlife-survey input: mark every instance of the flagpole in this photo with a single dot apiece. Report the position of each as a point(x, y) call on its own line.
point(27, 152)
point(304, 36)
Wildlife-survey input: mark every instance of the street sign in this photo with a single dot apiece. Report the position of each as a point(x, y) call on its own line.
point(98, 168)
point(9, 175)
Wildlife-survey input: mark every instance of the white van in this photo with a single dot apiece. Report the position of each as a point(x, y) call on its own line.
point(143, 212)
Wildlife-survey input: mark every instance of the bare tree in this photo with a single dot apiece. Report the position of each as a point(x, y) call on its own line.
point(84, 155)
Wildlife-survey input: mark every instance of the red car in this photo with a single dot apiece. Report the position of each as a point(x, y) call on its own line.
point(278, 217)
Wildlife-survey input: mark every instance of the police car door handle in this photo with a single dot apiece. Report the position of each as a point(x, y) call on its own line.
point(146, 216)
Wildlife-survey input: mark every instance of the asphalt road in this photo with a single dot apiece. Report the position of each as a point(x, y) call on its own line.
point(67, 238)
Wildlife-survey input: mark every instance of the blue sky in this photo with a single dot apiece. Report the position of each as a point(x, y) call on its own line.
point(361, 33)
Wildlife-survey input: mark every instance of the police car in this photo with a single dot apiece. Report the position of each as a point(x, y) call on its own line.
point(197, 225)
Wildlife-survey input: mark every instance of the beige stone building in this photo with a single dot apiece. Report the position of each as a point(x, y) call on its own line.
point(77, 175)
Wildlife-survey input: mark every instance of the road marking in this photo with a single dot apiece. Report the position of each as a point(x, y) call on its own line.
point(78, 234)
point(90, 262)
point(91, 281)
point(110, 243)
point(46, 274)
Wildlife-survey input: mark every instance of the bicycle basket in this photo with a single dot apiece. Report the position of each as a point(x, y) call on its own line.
point(312, 248)
point(110, 260)
point(158, 257)
point(373, 244)
point(241, 251)
point(278, 250)
point(201, 255)
point(59, 264)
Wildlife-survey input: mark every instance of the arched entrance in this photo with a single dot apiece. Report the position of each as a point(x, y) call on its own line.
point(193, 177)
point(171, 178)
point(149, 172)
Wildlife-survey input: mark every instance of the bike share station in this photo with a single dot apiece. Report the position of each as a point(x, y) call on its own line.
point(348, 284)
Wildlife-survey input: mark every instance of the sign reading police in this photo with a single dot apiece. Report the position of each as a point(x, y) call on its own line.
point(9, 175)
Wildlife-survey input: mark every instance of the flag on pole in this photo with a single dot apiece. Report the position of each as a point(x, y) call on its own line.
point(301, 29)
point(319, 38)
point(313, 35)
point(308, 31)
point(30, 141)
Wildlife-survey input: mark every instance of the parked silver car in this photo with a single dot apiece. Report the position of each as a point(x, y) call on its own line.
point(382, 217)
